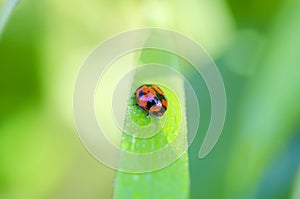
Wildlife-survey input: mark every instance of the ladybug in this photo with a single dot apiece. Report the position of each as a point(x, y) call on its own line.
point(151, 99)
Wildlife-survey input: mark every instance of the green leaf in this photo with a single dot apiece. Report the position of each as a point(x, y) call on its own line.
point(172, 181)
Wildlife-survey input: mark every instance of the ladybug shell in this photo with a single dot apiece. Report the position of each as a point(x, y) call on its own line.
point(152, 99)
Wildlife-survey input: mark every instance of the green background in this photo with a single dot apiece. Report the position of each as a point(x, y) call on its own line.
point(255, 45)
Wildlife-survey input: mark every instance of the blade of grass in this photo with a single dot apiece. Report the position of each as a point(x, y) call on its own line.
point(172, 181)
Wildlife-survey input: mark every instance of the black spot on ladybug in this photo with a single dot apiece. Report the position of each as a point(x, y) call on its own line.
point(151, 103)
point(142, 93)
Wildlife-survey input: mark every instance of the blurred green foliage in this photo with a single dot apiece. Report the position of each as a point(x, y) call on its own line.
point(254, 43)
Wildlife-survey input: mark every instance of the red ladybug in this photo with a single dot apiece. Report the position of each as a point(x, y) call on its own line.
point(152, 99)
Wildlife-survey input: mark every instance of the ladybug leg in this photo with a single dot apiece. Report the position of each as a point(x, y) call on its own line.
point(134, 100)
point(147, 115)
